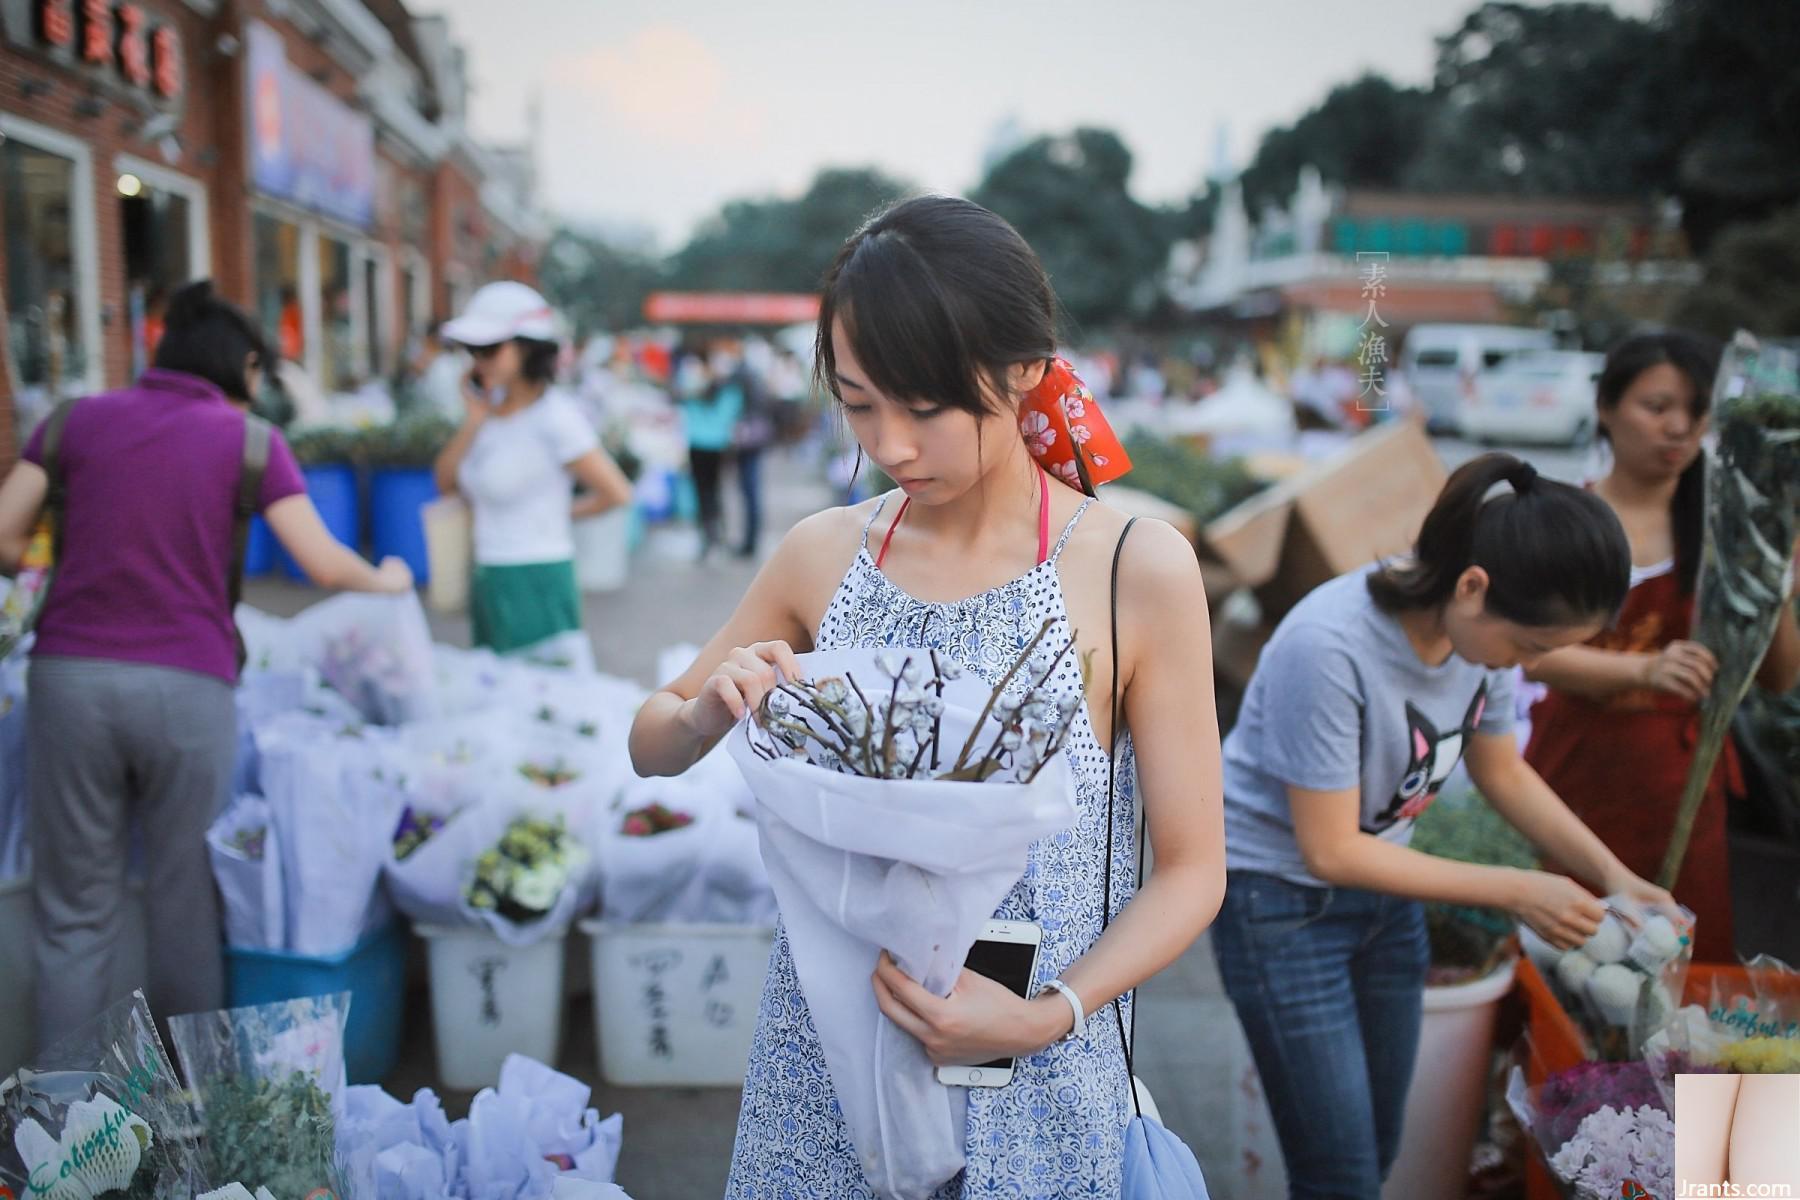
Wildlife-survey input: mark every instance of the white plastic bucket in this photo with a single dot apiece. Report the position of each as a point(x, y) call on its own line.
point(450, 550)
point(489, 1000)
point(1444, 1104)
point(603, 550)
point(18, 969)
point(675, 1005)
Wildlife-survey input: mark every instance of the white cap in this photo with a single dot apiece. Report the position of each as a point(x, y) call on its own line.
point(499, 312)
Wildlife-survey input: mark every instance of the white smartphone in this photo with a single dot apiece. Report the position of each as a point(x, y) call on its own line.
point(1007, 953)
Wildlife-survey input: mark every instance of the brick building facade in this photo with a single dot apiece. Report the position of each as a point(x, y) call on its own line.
point(308, 155)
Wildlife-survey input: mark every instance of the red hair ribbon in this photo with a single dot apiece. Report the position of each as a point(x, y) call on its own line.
point(1067, 433)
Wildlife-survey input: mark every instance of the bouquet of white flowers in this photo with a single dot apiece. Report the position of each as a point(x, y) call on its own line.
point(527, 883)
point(897, 801)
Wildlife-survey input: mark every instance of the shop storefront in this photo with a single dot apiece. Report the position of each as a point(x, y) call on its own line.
point(103, 205)
point(319, 280)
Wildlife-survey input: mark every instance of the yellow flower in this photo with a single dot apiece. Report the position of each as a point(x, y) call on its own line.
point(1762, 1056)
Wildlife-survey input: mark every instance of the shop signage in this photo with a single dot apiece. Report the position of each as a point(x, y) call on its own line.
point(124, 45)
point(730, 308)
point(306, 146)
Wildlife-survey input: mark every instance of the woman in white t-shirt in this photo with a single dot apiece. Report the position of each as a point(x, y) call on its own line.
point(523, 446)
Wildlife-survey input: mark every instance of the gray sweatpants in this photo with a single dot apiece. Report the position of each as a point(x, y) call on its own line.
point(109, 742)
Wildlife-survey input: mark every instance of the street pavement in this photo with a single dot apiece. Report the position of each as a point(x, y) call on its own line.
point(677, 1146)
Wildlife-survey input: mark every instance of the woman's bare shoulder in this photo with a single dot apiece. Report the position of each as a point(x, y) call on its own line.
point(1158, 559)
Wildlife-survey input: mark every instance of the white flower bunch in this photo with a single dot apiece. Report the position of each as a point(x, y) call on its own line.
point(891, 729)
point(1624, 979)
point(1610, 1147)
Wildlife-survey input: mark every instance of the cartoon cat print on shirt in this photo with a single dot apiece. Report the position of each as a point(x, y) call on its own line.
point(1432, 756)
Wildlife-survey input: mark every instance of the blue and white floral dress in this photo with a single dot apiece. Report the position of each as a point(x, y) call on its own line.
point(1057, 1130)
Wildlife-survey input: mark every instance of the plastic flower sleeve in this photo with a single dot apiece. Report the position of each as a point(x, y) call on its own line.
point(1625, 983)
point(101, 1113)
point(1600, 1127)
point(268, 1081)
point(1752, 518)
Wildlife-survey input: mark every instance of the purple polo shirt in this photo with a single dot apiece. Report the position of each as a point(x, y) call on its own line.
point(152, 473)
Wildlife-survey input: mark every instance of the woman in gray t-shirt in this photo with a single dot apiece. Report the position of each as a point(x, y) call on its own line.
point(1368, 694)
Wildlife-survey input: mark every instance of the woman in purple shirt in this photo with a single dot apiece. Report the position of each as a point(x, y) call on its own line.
point(135, 661)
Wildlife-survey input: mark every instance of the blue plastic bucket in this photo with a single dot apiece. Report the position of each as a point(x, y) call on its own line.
point(333, 491)
point(373, 971)
point(396, 495)
point(259, 549)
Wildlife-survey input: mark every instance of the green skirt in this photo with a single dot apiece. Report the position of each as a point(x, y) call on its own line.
point(513, 607)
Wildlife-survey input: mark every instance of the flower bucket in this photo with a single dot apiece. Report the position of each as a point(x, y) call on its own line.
point(332, 487)
point(489, 1000)
point(1444, 1103)
point(397, 496)
point(675, 1005)
point(603, 551)
point(373, 971)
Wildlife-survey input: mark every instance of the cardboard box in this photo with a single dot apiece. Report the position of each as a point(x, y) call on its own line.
point(1361, 504)
point(1220, 581)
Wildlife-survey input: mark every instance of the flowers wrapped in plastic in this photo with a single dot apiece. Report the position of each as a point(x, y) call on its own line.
point(268, 1081)
point(1746, 1023)
point(1603, 1128)
point(100, 1114)
point(897, 801)
point(1746, 564)
point(530, 1138)
point(1625, 982)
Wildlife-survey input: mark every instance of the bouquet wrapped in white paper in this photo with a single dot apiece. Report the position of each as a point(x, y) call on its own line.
point(335, 803)
point(677, 850)
point(878, 834)
point(375, 651)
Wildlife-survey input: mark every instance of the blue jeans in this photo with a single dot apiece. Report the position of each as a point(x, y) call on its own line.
point(1329, 985)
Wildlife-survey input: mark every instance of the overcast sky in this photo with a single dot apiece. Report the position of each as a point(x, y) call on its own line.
point(655, 113)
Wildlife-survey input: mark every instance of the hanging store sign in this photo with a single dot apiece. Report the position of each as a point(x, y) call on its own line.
point(306, 146)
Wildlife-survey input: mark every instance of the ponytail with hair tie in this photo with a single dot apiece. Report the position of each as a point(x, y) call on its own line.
point(1561, 560)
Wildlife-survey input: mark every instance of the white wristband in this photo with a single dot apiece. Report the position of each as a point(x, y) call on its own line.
point(1068, 993)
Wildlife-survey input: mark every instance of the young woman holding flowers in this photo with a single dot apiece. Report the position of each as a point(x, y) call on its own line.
point(936, 329)
point(1365, 698)
point(1616, 732)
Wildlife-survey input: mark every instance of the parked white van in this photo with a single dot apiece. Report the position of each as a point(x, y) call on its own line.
point(1536, 396)
point(1440, 362)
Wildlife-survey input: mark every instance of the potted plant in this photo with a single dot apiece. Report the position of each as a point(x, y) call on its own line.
point(1472, 955)
point(401, 483)
point(328, 457)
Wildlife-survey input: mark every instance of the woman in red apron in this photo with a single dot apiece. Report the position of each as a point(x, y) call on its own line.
point(1616, 733)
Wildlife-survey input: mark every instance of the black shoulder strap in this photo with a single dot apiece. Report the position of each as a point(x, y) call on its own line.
point(50, 459)
point(1112, 793)
point(256, 462)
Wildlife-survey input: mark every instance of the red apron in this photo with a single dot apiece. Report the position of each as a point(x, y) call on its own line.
point(1620, 765)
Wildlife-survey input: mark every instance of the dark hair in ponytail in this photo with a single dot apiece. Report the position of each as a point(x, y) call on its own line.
point(1696, 357)
point(1555, 555)
point(208, 336)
